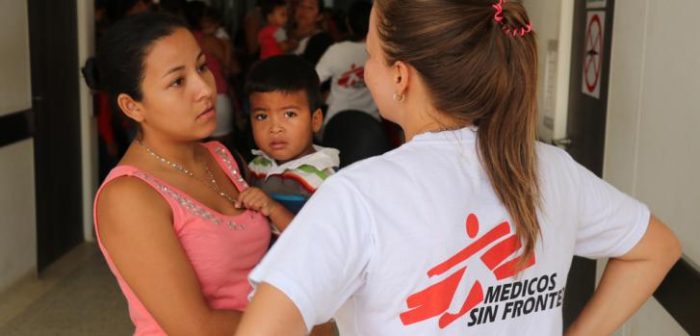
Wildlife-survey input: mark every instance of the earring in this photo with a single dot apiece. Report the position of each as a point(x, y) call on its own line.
point(398, 97)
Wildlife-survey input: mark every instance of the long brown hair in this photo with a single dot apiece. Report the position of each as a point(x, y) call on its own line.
point(479, 71)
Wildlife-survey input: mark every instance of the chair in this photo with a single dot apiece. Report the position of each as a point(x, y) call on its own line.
point(357, 136)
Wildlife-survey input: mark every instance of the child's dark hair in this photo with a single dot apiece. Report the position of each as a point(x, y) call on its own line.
point(285, 73)
point(268, 6)
point(358, 19)
point(123, 49)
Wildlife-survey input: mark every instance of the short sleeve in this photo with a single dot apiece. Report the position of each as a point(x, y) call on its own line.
point(324, 68)
point(611, 223)
point(280, 35)
point(320, 260)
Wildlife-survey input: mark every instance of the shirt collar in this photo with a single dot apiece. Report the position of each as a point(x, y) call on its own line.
point(322, 159)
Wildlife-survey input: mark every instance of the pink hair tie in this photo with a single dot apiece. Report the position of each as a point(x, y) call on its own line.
point(499, 11)
point(498, 17)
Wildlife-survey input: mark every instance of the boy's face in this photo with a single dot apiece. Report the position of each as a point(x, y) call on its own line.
point(278, 16)
point(283, 125)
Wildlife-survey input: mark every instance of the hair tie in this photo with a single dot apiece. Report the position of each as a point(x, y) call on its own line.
point(499, 11)
point(498, 17)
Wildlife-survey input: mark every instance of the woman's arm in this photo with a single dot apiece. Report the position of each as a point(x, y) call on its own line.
point(271, 313)
point(135, 226)
point(628, 281)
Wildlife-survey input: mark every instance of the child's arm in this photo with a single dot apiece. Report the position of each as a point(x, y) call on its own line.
point(257, 200)
point(288, 45)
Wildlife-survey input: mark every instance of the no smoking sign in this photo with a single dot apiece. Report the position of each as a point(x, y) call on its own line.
point(593, 53)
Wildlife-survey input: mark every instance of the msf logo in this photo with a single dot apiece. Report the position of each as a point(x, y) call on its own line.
point(501, 259)
point(353, 78)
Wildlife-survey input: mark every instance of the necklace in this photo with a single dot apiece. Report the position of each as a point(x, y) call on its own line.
point(210, 183)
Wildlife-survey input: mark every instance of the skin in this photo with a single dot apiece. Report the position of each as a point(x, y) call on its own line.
point(627, 282)
point(283, 125)
point(135, 222)
point(278, 18)
point(307, 17)
point(221, 49)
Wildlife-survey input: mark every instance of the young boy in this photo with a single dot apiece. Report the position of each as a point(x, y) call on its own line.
point(285, 110)
point(273, 38)
point(285, 102)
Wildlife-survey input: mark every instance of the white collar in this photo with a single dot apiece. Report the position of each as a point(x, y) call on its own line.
point(322, 159)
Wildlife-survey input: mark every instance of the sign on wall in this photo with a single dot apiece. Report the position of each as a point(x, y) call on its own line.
point(593, 58)
point(595, 4)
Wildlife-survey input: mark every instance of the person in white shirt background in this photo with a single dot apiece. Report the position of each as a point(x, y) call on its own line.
point(470, 227)
point(344, 65)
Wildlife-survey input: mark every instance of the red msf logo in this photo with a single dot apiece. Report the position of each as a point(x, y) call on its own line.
point(353, 78)
point(436, 299)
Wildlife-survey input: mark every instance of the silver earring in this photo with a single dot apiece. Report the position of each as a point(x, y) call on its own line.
point(398, 97)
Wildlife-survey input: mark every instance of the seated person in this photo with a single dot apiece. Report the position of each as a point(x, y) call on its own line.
point(285, 103)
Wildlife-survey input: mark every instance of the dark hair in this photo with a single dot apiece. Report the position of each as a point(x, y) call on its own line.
point(194, 12)
point(286, 73)
point(358, 19)
point(117, 9)
point(174, 7)
point(123, 49)
point(268, 6)
point(479, 71)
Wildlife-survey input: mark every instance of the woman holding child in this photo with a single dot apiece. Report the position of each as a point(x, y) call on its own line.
point(423, 239)
point(169, 218)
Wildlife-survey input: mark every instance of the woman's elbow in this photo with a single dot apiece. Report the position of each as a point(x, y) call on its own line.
point(668, 248)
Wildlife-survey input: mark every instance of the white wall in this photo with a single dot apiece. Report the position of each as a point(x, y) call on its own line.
point(88, 124)
point(653, 112)
point(553, 22)
point(652, 151)
point(15, 90)
point(17, 201)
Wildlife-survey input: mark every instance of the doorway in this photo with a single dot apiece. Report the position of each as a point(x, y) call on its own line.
point(53, 42)
point(587, 112)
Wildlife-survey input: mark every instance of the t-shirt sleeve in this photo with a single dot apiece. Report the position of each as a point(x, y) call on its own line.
point(280, 35)
point(321, 259)
point(611, 223)
point(324, 68)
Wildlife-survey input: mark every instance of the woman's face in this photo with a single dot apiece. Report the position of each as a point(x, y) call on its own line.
point(378, 75)
point(179, 92)
point(307, 13)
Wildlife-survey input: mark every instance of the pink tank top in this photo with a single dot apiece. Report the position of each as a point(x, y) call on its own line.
point(222, 249)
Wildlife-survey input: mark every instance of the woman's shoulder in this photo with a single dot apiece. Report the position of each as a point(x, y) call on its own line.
point(390, 166)
point(130, 189)
point(552, 155)
point(126, 202)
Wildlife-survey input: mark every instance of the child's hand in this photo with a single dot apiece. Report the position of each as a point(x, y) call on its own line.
point(256, 200)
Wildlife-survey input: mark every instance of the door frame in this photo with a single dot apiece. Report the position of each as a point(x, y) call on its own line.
point(58, 170)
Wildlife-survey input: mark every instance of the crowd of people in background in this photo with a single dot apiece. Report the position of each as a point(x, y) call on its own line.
point(330, 39)
point(184, 227)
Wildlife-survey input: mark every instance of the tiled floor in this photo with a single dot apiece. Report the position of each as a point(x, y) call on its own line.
point(75, 296)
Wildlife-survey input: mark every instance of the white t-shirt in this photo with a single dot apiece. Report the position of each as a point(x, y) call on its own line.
point(416, 242)
point(344, 64)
